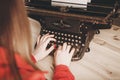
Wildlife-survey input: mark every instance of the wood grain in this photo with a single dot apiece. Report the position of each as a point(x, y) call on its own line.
point(103, 61)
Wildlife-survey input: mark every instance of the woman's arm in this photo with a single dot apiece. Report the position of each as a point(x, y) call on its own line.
point(62, 72)
point(62, 58)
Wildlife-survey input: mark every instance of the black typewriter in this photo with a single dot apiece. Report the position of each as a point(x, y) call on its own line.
point(73, 22)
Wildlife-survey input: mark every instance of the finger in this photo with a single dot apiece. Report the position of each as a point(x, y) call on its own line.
point(47, 36)
point(72, 52)
point(38, 39)
point(59, 47)
point(42, 38)
point(50, 49)
point(57, 50)
point(64, 46)
point(68, 48)
point(48, 41)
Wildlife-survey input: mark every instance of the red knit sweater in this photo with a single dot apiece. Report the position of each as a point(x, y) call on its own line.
point(27, 72)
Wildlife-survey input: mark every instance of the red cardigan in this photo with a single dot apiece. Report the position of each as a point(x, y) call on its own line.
point(27, 72)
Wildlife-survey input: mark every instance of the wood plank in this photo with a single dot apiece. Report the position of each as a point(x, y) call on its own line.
point(109, 38)
point(103, 61)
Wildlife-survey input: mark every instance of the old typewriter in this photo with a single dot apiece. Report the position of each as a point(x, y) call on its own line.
point(73, 21)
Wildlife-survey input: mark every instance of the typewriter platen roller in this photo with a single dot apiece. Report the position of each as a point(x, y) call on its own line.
point(73, 22)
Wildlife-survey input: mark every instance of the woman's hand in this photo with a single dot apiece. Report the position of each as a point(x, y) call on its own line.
point(40, 51)
point(63, 55)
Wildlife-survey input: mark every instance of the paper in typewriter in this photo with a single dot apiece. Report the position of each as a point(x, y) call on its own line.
point(71, 3)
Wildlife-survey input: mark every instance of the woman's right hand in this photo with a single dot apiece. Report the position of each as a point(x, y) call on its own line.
point(63, 55)
point(41, 50)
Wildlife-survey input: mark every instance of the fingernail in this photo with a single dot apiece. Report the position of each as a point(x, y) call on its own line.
point(55, 46)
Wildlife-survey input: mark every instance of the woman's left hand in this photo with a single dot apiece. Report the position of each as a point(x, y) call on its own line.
point(41, 50)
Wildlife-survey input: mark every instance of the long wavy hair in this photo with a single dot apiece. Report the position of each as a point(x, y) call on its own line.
point(15, 32)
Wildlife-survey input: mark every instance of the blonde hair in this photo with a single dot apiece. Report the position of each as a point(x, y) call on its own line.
point(15, 31)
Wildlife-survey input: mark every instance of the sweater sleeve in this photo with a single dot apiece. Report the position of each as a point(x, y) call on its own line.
point(33, 58)
point(62, 72)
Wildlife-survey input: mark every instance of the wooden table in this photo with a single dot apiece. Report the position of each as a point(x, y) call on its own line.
point(103, 61)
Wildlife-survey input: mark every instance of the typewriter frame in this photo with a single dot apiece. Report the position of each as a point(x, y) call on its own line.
point(93, 23)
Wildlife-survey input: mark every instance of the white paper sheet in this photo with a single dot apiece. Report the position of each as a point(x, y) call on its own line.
point(71, 3)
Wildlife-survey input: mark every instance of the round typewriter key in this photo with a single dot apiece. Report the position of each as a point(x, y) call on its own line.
point(76, 36)
point(80, 32)
point(52, 32)
point(65, 34)
point(76, 40)
point(69, 39)
point(49, 31)
point(55, 32)
point(46, 30)
point(73, 40)
point(58, 41)
point(55, 36)
point(76, 44)
point(79, 37)
point(58, 33)
point(62, 38)
point(68, 35)
point(79, 41)
point(80, 26)
point(86, 27)
point(77, 49)
point(72, 35)
point(68, 43)
point(61, 41)
point(65, 38)
point(83, 44)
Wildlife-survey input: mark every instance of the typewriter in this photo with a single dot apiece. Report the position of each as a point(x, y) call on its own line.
point(73, 21)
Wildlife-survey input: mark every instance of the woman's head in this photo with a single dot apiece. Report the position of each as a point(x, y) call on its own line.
point(14, 26)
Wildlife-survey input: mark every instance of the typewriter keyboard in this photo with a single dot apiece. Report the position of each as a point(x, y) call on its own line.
point(75, 40)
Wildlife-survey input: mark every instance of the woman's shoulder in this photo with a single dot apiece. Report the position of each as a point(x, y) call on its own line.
point(2, 49)
point(20, 61)
point(26, 70)
point(2, 55)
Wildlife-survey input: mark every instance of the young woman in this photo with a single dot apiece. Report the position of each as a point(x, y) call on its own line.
point(16, 58)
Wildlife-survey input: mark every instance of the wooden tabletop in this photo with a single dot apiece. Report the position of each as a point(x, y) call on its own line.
point(103, 60)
